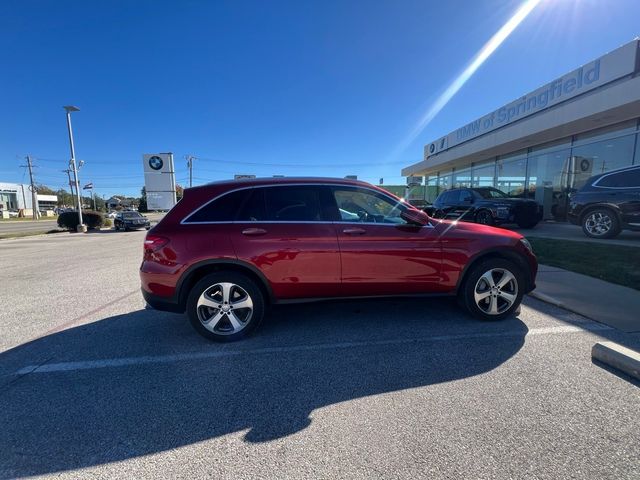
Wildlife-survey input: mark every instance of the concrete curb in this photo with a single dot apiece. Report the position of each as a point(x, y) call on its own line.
point(618, 357)
point(548, 299)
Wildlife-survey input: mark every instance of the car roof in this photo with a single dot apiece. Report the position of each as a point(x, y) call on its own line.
point(255, 182)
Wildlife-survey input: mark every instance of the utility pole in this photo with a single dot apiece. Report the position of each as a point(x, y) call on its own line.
point(190, 159)
point(73, 196)
point(34, 200)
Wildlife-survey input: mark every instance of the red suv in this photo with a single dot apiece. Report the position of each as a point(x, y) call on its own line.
point(230, 249)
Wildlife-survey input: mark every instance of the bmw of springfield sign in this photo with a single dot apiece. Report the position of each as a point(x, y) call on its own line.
point(159, 180)
point(609, 67)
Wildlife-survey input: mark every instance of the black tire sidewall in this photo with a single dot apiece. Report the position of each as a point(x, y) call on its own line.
point(239, 279)
point(466, 294)
point(484, 212)
point(615, 224)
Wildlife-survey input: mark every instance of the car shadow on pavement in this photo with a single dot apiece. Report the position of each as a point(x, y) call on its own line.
point(304, 357)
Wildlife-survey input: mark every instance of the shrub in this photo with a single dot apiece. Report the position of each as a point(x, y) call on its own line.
point(91, 219)
point(107, 223)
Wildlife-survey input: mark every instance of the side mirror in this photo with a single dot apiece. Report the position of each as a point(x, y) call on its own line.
point(415, 217)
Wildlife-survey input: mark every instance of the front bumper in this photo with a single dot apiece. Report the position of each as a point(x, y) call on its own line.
point(135, 226)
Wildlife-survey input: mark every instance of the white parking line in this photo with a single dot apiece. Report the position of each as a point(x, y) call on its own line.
point(146, 360)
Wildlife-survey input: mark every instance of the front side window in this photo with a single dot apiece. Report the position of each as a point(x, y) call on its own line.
point(360, 205)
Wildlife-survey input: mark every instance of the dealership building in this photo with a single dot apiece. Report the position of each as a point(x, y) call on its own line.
point(547, 143)
point(17, 196)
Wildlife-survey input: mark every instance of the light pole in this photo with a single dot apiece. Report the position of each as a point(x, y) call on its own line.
point(69, 108)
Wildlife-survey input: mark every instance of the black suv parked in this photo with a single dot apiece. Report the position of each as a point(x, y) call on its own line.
point(608, 203)
point(488, 206)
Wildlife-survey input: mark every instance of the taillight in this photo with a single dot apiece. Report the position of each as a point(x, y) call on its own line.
point(153, 243)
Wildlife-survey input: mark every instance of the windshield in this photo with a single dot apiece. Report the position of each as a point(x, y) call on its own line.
point(491, 193)
point(131, 215)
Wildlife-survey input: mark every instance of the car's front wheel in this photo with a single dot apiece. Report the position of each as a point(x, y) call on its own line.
point(484, 217)
point(600, 223)
point(225, 306)
point(492, 290)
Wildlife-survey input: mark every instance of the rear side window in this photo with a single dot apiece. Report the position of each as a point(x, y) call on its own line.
point(292, 204)
point(627, 179)
point(447, 197)
point(465, 195)
point(223, 209)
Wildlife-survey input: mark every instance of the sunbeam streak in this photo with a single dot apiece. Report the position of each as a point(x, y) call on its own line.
point(485, 52)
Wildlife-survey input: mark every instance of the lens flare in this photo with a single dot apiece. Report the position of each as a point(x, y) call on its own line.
point(483, 54)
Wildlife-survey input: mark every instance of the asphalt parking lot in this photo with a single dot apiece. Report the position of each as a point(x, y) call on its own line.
point(93, 384)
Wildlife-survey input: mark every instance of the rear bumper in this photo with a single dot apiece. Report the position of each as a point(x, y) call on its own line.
point(166, 304)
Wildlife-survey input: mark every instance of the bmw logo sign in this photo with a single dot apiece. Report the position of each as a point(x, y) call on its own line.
point(155, 162)
point(432, 148)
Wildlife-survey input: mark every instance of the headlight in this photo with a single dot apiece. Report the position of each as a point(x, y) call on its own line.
point(526, 244)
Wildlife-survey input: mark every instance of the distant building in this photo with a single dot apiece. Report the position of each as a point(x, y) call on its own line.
point(116, 202)
point(17, 196)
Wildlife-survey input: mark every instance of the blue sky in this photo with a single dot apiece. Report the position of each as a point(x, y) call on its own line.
point(268, 87)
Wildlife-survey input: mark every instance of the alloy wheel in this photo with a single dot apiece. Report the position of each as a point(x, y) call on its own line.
point(598, 224)
point(496, 291)
point(484, 218)
point(225, 308)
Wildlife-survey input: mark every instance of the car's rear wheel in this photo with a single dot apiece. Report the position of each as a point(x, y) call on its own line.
point(492, 290)
point(484, 217)
point(600, 223)
point(225, 306)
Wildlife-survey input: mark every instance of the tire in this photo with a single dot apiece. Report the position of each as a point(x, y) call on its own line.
point(229, 325)
point(601, 223)
point(477, 297)
point(528, 224)
point(484, 217)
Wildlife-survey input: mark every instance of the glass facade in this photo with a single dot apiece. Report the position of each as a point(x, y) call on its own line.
point(484, 175)
point(511, 174)
point(8, 200)
point(462, 178)
point(432, 189)
point(549, 173)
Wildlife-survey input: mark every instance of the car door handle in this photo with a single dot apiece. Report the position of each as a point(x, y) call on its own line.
point(354, 231)
point(254, 232)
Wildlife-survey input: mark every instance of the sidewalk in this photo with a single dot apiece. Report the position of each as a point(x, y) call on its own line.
point(604, 302)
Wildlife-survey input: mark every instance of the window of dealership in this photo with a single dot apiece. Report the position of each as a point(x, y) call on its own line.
point(547, 173)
